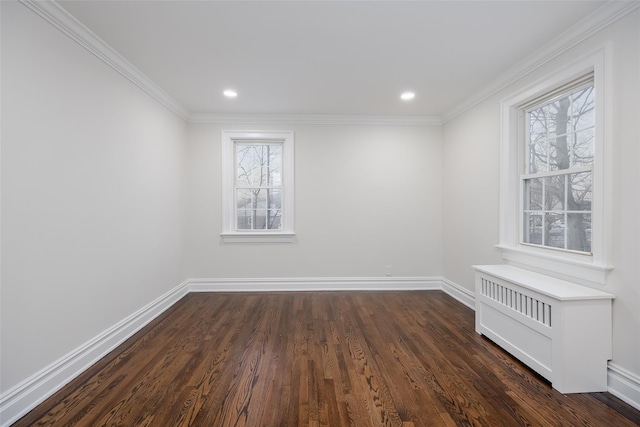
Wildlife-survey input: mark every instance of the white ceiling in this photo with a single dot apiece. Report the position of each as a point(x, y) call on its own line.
point(326, 57)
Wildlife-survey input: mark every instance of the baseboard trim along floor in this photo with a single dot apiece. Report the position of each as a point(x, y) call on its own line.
point(25, 396)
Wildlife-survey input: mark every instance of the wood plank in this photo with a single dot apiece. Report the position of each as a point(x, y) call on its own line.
point(318, 359)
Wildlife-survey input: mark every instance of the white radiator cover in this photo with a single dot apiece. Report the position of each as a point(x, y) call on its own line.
point(559, 329)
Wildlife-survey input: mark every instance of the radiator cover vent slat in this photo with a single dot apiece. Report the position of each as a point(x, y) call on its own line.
point(517, 301)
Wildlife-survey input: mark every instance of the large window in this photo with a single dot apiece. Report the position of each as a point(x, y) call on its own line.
point(557, 185)
point(555, 167)
point(258, 186)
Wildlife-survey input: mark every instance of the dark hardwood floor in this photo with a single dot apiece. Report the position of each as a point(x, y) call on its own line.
point(318, 359)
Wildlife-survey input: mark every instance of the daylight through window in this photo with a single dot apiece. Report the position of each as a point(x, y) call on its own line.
point(557, 184)
point(257, 182)
point(258, 185)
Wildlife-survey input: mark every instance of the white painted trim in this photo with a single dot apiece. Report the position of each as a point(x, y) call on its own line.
point(265, 237)
point(20, 399)
point(315, 284)
point(586, 273)
point(315, 119)
point(460, 293)
point(598, 20)
point(57, 16)
point(229, 233)
point(23, 397)
point(588, 269)
point(624, 385)
point(65, 22)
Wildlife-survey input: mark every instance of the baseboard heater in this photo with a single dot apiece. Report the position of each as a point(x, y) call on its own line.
point(561, 330)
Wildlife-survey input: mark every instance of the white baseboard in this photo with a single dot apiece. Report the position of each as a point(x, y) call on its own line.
point(20, 399)
point(624, 385)
point(316, 284)
point(25, 396)
point(456, 291)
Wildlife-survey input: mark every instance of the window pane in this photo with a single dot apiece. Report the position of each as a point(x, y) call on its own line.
point(554, 230)
point(258, 165)
point(275, 165)
point(560, 158)
point(554, 187)
point(267, 199)
point(561, 132)
point(260, 199)
point(582, 103)
point(260, 219)
point(244, 219)
point(580, 193)
point(582, 148)
point(579, 232)
point(538, 157)
point(559, 116)
point(533, 194)
point(275, 177)
point(259, 209)
point(246, 163)
point(560, 121)
point(275, 160)
point(553, 153)
point(274, 200)
point(274, 219)
point(263, 219)
point(538, 140)
point(243, 199)
point(538, 121)
point(532, 228)
point(243, 176)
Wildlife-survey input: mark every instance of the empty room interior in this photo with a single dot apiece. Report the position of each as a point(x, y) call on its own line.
point(320, 213)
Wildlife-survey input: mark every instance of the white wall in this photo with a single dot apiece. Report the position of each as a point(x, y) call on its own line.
point(471, 182)
point(109, 200)
point(366, 197)
point(471, 158)
point(91, 196)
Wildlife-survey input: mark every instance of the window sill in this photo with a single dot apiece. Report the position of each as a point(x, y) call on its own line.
point(252, 237)
point(564, 267)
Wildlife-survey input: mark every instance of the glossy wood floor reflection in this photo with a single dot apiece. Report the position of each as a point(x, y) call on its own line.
point(318, 359)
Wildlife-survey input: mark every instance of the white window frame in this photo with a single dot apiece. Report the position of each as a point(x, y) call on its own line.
point(586, 268)
point(229, 232)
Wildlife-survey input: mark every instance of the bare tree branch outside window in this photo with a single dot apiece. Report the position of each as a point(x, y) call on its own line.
point(258, 186)
point(559, 177)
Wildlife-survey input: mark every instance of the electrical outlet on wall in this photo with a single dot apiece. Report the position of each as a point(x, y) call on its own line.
point(387, 270)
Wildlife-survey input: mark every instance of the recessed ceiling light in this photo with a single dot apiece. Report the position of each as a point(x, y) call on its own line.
point(406, 96)
point(230, 93)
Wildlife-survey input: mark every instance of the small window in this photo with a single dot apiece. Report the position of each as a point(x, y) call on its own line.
point(557, 184)
point(258, 181)
point(258, 185)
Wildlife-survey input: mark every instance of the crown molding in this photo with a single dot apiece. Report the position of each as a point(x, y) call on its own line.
point(57, 16)
point(315, 119)
point(590, 25)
